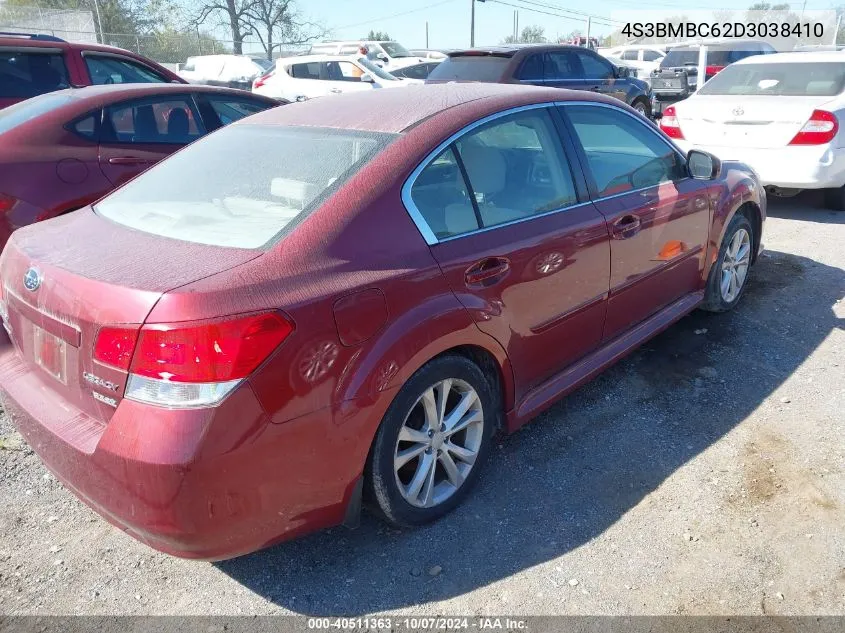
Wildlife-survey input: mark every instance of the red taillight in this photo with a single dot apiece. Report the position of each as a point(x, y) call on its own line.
point(261, 80)
point(6, 203)
point(821, 128)
point(114, 346)
point(669, 123)
point(208, 352)
point(709, 71)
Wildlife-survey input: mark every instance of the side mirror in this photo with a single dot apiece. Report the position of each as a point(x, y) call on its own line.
point(384, 58)
point(367, 79)
point(702, 165)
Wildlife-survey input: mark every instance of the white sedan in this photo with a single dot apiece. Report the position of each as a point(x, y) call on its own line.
point(779, 114)
point(310, 76)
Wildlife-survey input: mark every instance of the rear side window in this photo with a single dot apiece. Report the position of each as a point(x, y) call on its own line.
point(471, 68)
point(630, 55)
point(623, 154)
point(115, 70)
point(87, 127)
point(216, 192)
point(305, 71)
point(532, 68)
point(28, 74)
point(171, 121)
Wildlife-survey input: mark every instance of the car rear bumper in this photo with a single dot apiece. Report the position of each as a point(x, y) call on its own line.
point(205, 483)
point(793, 167)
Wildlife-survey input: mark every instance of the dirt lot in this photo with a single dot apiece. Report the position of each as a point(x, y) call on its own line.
point(702, 475)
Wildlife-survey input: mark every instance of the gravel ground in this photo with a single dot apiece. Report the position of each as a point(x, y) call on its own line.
point(702, 475)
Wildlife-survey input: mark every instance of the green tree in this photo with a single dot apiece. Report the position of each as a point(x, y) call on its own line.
point(377, 36)
point(530, 35)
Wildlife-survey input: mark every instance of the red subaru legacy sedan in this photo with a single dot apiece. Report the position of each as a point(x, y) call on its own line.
point(344, 299)
point(63, 150)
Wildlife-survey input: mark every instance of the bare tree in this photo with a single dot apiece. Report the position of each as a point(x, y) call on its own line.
point(233, 13)
point(277, 22)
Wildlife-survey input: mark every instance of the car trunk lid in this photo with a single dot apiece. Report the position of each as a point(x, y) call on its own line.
point(745, 121)
point(64, 279)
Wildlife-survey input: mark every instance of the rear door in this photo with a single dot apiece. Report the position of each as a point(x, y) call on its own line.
point(137, 134)
point(30, 71)
point(520, 246)
point(658, 216)
point(304, 81)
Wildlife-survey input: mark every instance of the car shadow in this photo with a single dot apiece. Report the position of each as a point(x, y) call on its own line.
point(578, 468)
point(807, 206)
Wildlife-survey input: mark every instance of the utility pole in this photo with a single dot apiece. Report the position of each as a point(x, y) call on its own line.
point(588, 30)
point(99, 21)
point(426, 34)
point(516, 28)
point(472, 24)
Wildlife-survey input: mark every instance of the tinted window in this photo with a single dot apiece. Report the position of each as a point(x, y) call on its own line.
point(791, 79)
point(441, 196)
point(395, 49)
point(305, 71)
point(27, 110)
point(650, 56)
point(112, 70)
point(532, 68)
point(594, 67)
point(561, 65)
point(623, 154)
point(24, 75)
point(630, 55)
point(420, 71)
point(229, 110)
point(232, 198)
point(516, 167)
point(679, 57)
point(480, 68)
point(342, 71)
point(172, 121)
point(86, 127)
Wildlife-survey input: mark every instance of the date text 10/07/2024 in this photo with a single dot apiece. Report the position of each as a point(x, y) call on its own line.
point(417, 624)
point(703, 30)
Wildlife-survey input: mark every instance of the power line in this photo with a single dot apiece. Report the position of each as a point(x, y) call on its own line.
point(394, 15)
point(577, 17)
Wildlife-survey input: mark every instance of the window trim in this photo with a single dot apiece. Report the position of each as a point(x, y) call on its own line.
point(416, 215)
point(582, 157)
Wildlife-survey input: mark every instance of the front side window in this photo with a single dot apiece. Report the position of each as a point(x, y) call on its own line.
point(169, 120)
point(376, 70)
point(594, 68)
point(650, 56)
point(623, 154)
point(24, 74)
point(509, 169)
point(216, 192)
point(113, 70)
point(342, 71)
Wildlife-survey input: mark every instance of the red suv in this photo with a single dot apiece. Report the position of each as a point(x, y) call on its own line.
point(31, 65)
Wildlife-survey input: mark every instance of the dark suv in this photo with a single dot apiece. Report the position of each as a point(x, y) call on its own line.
point(31, 65)
point(552, 65)
point(677, 77)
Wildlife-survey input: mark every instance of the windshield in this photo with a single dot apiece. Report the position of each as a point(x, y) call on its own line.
point(470, 68)
point(395, 49)
point(265, 64)
point(375, 70)
point(27, 110)
point(216, 192)
point(793, 79)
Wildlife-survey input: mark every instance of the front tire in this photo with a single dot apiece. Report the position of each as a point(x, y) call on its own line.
point(729, 273)
point(835, 198)
point(642, 106)
point(432, 442)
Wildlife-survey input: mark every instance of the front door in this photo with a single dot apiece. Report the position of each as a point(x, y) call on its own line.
point(658, 216)
point(600, 75)
point(526, 257)
point(137, 134)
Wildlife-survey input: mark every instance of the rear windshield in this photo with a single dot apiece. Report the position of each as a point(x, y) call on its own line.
point(243, 185)
point(792, 79)
point(26, 74)
point(471, 68)
point(680, 57)
point(26, 110)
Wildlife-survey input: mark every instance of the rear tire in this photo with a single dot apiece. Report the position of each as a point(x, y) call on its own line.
point(835, 198)
point(729, 273)
point(419, 468)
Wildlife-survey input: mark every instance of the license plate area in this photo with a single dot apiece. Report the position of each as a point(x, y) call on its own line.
point(50, 353)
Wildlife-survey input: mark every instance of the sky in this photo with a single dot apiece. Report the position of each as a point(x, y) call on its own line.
point(449, 20)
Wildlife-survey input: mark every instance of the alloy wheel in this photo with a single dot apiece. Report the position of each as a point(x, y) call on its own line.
point(438, 443)
point(735, 265)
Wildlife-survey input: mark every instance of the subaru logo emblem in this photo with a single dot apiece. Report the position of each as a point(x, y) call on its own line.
point(738, 111)
point(32, 280)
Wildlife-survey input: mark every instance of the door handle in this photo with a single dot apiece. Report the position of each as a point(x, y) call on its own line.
point(490, 270)
point(129, 160)
point(626, 226)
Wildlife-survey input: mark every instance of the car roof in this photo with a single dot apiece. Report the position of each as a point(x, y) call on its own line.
point(398, 109)
point(307, 59)
point(509, 50)
point(719, 45)
point(38, 42)
point(793, 57)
